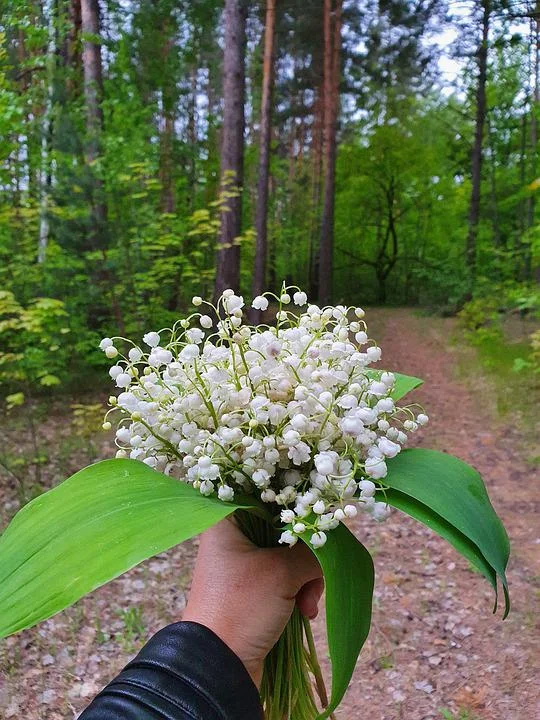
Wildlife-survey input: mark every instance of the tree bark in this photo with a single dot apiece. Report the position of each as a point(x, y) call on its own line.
point(497, 238)
point(477, 154)
point(332, 67)
point(535, 107)
point(93, 96)
point(192, 138)
point(71, 50)
point(316, 179)
point(168, 116)
point(232, 147)
point(168, 203)
point(45, 180)
point(93, 93)
point(261, 217)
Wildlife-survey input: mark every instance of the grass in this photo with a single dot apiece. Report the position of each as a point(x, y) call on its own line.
point(488, 354)
point(134, 626)
point(462, 714)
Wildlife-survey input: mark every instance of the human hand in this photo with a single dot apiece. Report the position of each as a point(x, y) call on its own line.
point(246, 594)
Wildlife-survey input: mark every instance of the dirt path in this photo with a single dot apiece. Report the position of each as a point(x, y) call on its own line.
point(434, 645)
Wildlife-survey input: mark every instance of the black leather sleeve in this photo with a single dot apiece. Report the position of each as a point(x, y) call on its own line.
point(184, 672)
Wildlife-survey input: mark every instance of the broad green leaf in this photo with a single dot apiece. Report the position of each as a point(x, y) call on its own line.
point(403, 385)
point(455, 492)
point(91, 528)
point(349, 578)
point(435, 522)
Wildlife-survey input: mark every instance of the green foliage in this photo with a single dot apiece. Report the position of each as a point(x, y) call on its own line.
point(449, 496)
point(487, 320)
point(86, 418)
point(34, 351)
point(531, 363)
point(403, 166)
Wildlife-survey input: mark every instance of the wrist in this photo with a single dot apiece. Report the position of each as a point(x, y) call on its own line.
point(232, 637)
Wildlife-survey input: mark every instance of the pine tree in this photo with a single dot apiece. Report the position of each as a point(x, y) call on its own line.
point(93, 94)
point(261, 218)
point(232, 146)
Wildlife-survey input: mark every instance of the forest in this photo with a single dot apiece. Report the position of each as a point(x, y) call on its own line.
point(154, 150)
point(380, 154)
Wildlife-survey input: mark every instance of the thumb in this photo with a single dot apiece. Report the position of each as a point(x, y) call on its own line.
point(308, 598)
point(303, 566)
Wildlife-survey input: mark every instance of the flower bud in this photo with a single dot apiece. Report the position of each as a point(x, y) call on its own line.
point(367, 488)
point(287, 516)
point(318, 539)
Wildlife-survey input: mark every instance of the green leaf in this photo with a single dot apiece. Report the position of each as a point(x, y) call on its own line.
point(457, 505)
point(349, 578)
point(403, 385)
point(88, 530)
point(435, 522)
point(49, 380)
point(14, 400)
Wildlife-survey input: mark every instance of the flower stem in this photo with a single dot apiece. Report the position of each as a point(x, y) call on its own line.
point(315, 666)
point(286, 687)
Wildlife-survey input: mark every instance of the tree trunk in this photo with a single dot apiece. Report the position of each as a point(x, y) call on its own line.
point(261, 217)
point(381, 287)
point(477, 155)
point(316, 178)
point(497, 238)
point(192, 138)
point(232, 146)
point(45, 180)
point(332, 66)
point(93, 93)
point(168, 114)
point(535, 107)
point(71, 51)
point(166, 150)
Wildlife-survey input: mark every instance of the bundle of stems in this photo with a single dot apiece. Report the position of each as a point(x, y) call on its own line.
point(292, 673)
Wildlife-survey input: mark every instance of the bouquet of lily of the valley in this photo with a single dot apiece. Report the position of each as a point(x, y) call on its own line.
point(288, 427)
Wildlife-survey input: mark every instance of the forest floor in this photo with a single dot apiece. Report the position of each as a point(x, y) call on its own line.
point(435, 651)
